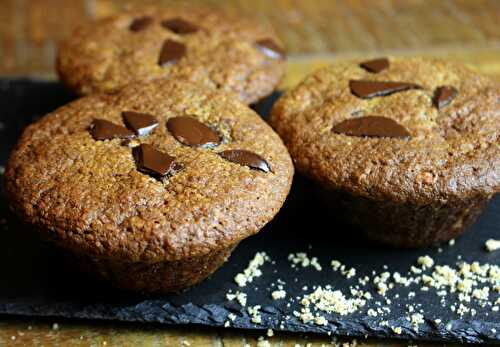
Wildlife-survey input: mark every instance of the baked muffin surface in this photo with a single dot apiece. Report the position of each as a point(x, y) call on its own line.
point(217, 50)
point(93, 197)
point(448, 152)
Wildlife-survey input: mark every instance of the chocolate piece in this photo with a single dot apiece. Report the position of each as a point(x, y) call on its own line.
point(141, 123)
point(371, 126)
point(375, 65)
point(153, 162)
point(270, 48)
point(246, 158)
point(444, 95)
point(191, 132)
point(140, 23)
point(370, 89)
point(102, 129)
point(171, 51)
point(179, 26)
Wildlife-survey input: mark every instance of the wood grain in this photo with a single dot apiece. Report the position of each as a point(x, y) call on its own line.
point(24, 332)
point(30, 30)
point(316, 33)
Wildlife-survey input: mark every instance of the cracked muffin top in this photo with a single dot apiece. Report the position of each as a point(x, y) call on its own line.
point(161, 170)
point(405, 129)
point(214, 49)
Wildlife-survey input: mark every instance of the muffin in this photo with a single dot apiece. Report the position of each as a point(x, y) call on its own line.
point(150, 188)
point(223, 52)
point(405, 149)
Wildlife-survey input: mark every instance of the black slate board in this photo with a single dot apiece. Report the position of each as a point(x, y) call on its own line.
point(35, 281)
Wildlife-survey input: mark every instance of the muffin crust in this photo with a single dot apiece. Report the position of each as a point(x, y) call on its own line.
point(216, 50)
point(90, 197)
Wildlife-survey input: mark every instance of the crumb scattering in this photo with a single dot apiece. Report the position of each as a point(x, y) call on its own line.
point(458, 287)
point(253, 269)
point(303, 260)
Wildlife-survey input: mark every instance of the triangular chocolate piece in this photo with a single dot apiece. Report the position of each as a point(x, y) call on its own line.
point(179, 26)
point(191, 132)
point(153, 162)
point(371, 126)
point(369, 89)
point(246, 158)
point(444, 95)
point(375, 65)
point(171, 52)
point(102, 129)
point(141, 123)
point(141, 23)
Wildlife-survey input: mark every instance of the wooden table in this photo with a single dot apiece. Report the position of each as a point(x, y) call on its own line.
point(316, 32)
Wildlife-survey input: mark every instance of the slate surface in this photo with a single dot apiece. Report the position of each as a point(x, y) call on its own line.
point(36, 281)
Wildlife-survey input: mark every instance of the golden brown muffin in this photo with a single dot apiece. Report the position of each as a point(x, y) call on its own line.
point(232, 54)
point(407, 149)
point(151, 187)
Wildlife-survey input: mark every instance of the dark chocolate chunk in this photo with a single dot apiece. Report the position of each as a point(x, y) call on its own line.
point(270, 48)
point(444, 95)
point(153, 162)
point(102, 129)
point(191, 132)
point(141, 123)
point(171, 51)
point(370, 89)
point(179, 26)
point(375, 65)
point(140, 23)
point(246, 158)
point(371, 126)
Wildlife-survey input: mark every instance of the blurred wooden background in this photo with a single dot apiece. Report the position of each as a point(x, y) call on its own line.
point(316, 32)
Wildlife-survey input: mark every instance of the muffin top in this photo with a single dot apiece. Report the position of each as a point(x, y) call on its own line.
point(158, 171)
point(405, 129)
point(217, 50)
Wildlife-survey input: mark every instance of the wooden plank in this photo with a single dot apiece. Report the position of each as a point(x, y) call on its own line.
point(23, 332)
point(30, 30)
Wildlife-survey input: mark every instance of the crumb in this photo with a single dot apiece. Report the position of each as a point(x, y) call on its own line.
point(239, 296)
point(278, 294)
point(55, 326)
point(253, 269)
point(397, 330)
point(186, 343)
point(330, 301)
point(303, 260)
point(416, 319)
point(451, 242)
point(270, 333)
point(254, 312)
point(492, 245)
point(425, 261)
point(262, 342)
